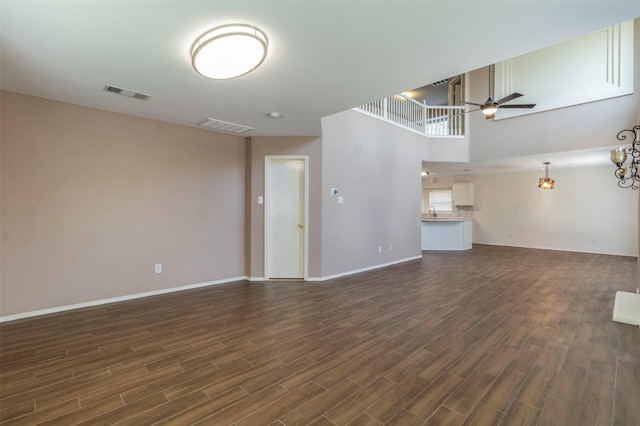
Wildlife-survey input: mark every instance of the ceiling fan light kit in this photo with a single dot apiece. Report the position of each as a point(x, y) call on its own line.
point(229, 51)
point(490, 107)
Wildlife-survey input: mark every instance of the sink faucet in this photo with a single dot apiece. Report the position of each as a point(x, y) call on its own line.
point(434, 211)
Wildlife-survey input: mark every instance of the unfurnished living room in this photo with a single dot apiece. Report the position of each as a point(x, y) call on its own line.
point(322, 213)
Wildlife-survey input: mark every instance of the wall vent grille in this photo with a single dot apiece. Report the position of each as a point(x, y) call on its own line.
point(225, 126)
point(128, 93)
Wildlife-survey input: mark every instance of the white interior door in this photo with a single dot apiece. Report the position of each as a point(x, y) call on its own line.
point(285, 218)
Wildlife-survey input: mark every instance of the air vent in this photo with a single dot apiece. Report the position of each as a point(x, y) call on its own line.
point(225, 126)
point(128, 93)
point(438, 83)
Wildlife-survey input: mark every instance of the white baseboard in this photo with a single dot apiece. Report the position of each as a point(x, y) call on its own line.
point(182, 288)
point(368, 268)
point(116, 299)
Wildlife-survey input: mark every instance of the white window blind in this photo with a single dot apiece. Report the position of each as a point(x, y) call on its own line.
point(441, 199)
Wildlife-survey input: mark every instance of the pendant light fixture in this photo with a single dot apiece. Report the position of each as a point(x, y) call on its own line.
point(229, 51)
point(545, 182)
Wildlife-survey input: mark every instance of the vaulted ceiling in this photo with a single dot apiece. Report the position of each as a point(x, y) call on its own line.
point(324, 56)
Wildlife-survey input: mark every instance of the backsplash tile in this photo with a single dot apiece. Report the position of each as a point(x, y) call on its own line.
point(459, 212)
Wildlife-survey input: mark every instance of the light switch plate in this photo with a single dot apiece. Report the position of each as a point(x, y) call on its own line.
point(340, 199)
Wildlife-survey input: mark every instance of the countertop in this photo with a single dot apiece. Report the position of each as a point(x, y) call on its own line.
point(444, 219)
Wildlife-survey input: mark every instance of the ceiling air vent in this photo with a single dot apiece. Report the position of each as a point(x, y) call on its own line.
point(225, 126)
point(128, 93)
point(438, 83)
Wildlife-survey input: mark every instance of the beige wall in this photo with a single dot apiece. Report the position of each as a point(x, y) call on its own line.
point(91, 200)
point(258, 148)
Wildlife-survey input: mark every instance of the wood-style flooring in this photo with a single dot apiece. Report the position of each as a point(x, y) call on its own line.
point(489, 336)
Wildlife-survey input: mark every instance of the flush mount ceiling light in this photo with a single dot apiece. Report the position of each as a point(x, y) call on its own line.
point(229, 51)
point(545, 182)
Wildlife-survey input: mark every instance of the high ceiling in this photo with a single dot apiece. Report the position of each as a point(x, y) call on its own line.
point(324, 56)
point(557, 160)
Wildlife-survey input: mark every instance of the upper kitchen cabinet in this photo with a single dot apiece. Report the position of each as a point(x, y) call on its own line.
point(462, 194)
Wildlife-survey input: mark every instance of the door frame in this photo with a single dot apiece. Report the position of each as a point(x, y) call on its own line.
point(267, 198)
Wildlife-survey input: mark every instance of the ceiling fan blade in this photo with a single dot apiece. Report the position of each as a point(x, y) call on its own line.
point(510, 97)
point(464, 112)
point(473, 103)
point(518, 106)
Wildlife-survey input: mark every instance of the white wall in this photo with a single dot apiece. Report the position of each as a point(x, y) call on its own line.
point(585, 126)
point(451, 149)
point(376, 168)
point(586, 212)
point(593, 67)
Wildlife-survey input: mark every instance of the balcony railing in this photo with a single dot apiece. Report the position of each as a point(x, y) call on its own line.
point(424, 119)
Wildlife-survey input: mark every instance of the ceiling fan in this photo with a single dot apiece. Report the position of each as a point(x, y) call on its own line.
point(489, 107)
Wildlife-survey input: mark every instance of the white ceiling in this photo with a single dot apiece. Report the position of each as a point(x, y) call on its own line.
point(325, 56)
point(558, 160)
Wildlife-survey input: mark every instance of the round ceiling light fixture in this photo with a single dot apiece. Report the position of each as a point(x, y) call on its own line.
point(229, 51)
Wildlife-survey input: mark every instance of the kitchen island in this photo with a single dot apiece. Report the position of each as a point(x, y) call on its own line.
point(447, 233)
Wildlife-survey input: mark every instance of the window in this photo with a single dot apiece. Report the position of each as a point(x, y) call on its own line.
point(441, 199)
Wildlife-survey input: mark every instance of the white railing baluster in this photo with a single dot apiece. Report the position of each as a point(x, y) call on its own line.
point(421, 118)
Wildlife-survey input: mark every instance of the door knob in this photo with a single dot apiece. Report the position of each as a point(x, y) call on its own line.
point(300, 225)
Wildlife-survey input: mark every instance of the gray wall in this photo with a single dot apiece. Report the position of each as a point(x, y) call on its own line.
point(376, 168)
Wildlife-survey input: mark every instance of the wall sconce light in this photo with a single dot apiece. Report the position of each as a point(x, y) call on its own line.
point(627, 175)
point(545, 182)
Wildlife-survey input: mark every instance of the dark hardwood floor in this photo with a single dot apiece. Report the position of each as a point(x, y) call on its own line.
point(489, 336)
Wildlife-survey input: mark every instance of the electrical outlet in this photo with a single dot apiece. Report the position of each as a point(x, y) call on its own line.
point(158, 268)
point(379, 249)
point(390, 247)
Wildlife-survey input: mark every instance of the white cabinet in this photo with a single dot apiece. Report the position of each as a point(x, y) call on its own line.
point(447, 234)
point(462, 194)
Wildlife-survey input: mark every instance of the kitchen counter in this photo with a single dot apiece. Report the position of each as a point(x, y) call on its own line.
point(444, 219)
point(446, 233)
